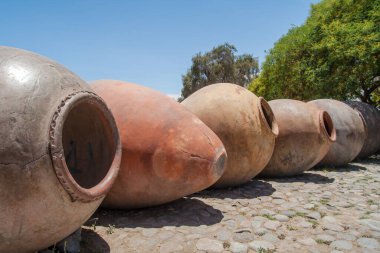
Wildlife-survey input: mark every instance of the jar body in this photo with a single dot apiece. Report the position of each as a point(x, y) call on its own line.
point(45, 195)
point(168, 152)
point(371, 117)
point(244, 123)
point(350, 132)
point(305, 135)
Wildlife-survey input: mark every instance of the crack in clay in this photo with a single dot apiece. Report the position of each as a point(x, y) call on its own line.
point(26, 164)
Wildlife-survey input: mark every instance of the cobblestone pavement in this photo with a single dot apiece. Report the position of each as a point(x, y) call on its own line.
point(327, 210)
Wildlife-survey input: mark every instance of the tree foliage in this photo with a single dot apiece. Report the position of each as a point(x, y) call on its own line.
point(335, 54)
point(220, 65)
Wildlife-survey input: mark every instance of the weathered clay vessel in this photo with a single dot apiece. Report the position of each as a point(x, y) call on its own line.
point(244, 123)
point(371, 117)
point(350, 132)
point(305, 136)
point(168, 152)
point(59, 152)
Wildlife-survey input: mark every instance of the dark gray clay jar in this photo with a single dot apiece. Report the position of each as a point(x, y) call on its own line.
point(59, 152)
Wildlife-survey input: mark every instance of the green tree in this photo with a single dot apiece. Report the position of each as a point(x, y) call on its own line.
point(335, 54)
point(219, 65)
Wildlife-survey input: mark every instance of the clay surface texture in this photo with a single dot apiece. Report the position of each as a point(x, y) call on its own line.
point(59, 151)
point(244, 123)
point(371, 117)
point(305, 136)
point(168, 152)
point(350, 132)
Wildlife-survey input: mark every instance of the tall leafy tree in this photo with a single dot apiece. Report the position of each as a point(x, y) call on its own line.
point(335, 54)
point(221, 64)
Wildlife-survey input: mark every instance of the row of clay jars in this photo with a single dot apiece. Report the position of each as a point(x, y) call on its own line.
point(323, 132)
point(61, 150)
point(371, 117)
point(59, 155)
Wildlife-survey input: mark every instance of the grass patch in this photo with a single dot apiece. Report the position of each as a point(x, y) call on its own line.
point(268, 216)
point(300, 214)
point(320, 241)
point(110, 229)
point(323, 201)
point(370, 202)
point(314, 223)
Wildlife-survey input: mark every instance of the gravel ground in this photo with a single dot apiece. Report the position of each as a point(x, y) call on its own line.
point(326, 210)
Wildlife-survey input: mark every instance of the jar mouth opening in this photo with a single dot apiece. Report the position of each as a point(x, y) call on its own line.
point(85, 146)
point(327, 126)
point(268, 116)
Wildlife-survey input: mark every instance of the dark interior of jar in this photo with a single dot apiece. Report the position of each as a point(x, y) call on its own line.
point(269, 116)
point(88, 143)
point(328, 124)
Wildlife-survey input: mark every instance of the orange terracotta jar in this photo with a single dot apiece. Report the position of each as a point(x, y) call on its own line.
point(168, 152)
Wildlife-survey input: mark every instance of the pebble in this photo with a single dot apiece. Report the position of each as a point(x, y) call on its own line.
point(341, 245)
point(289, 213)
point(326, 238)
point(209, 245)
point(307, 241)
point(256, 245)
point(281, 218)
point(224, 235)
point(261, 231)
point(314, 215)
point(243, 237)
point(271, 224)
point(368, 243)
point(372, 224)
point(237, 247)
point(171, 246)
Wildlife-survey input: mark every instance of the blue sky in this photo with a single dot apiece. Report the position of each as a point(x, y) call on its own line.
point(146, 42)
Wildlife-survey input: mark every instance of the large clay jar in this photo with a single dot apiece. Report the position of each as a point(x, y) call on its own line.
point(350, 132)
point(244, 123)
point(168, 152)
point(59, 152)
point(371, 117)
point(305, 135)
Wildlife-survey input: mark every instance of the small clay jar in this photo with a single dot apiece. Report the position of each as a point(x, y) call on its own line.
point(305, 136)
point(168, 152)
point(59, 152)
point(350, 132)
point(371, 117)
point(245, 124)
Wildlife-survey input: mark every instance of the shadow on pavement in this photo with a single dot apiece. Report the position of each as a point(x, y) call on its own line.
point(182, 212)
point(344, 168)
point(93, 243)
point(306, 177)
point(374, 160)
point(252, 189)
